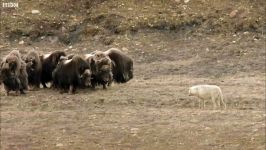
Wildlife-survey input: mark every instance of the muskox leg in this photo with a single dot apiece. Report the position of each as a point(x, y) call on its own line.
point(37, 82)
point(21, 86)
point(104, 86)
point(22, 91)
point(110, 81)
point(7, 92)
point(93, 85)
point(71, 89)
point(43, 84)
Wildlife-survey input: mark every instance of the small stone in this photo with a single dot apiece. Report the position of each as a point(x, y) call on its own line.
point(186, 1)
point(207, 128)
point(124, 49)
point(59, 145)
point(233, 13)
point(21, 42)
point(35, 11)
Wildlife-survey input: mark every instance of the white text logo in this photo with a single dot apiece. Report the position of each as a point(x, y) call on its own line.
point(10, 5)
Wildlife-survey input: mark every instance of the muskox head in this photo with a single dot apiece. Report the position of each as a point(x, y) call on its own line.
point(62, 59)
point(56, 56)
point(80, 63)
point(86, 77)
point(101, 62)
point(11, 62)
point(31, 62)
point(52, 59)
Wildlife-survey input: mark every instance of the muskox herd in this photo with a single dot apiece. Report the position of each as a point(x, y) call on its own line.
point(64, 72)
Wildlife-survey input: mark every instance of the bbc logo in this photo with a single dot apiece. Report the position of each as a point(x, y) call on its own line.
point(10, 5)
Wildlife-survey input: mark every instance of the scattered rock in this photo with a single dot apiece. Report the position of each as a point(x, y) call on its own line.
point(21, 42)
point(107, 40)
point(233, 13)
point(35, 11)
point(186, 1)
point(134, 131)
point(53, 39)
point(124, 49)
point(59, 145)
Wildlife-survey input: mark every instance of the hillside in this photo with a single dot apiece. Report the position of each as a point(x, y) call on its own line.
point(73, 21)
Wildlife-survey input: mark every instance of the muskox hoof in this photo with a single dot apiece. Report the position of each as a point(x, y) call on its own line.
point(62, 91)
point(22, 92)
point(71, 92)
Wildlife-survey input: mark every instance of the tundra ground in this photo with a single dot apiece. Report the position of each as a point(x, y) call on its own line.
point(153, 110)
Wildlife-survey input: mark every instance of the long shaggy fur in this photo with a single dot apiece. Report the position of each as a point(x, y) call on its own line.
point(101, 67)
point(13, 72)
point(34, 68)
point(68, 73)
point(122, 68)
point(49, 63)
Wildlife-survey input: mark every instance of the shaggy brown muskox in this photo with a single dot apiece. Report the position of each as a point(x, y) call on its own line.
point(11, 81)
point(122, 68)
point(34, 68)
point(69, 74)
point(13, 72)
point(101, 67)
point(49, 63)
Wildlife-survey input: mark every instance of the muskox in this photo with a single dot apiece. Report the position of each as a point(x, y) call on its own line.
point(34, 68)
point(13, 73)
point(11, 81)
point(70, 73)
point(101, 67)
point(49, 63)
point(122, 68)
